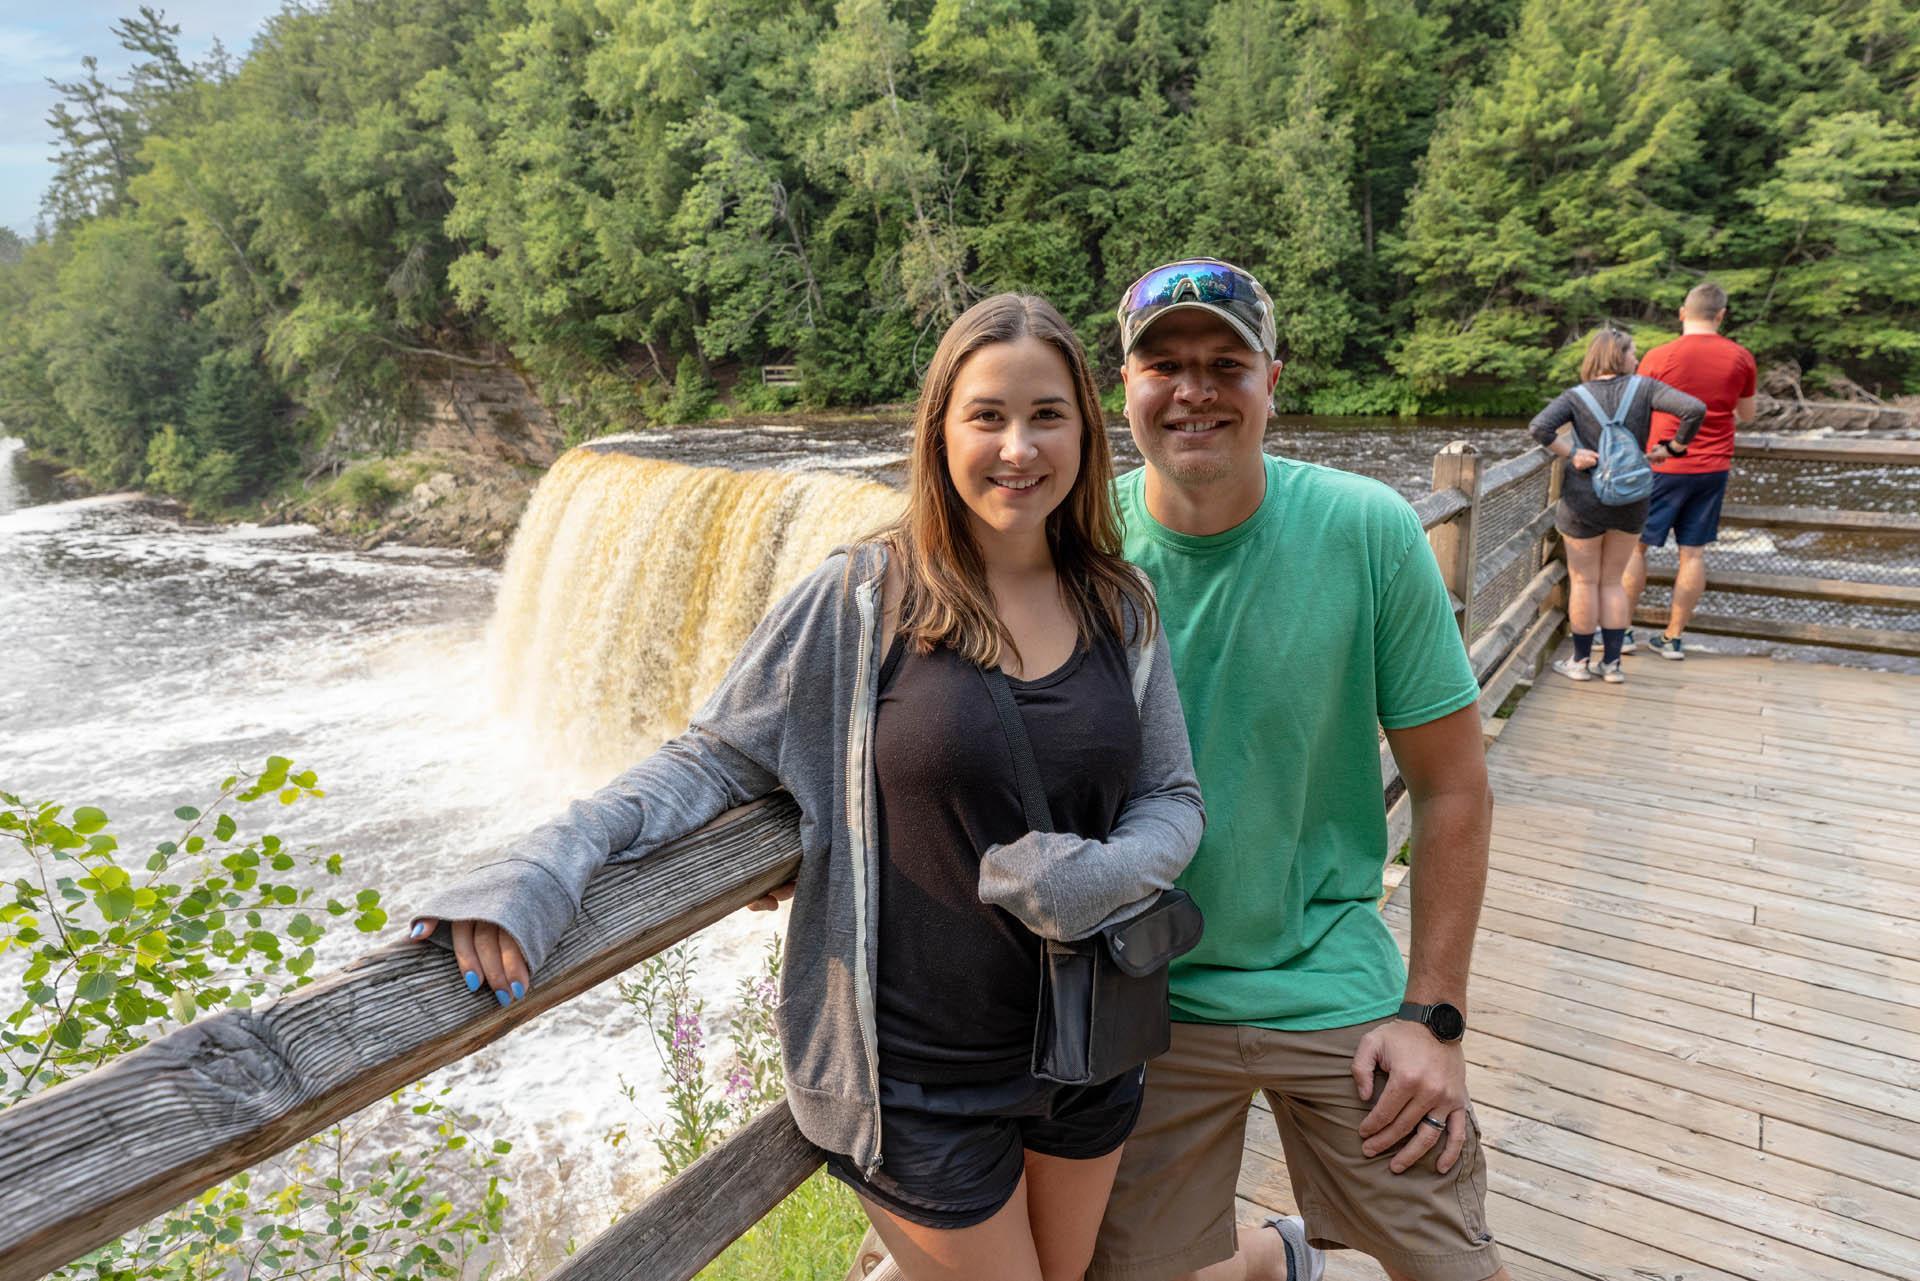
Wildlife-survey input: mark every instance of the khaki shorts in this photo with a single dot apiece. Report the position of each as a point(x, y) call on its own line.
point(1172, 1208)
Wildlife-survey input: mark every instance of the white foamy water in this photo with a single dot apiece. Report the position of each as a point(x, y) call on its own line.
point(142, 659)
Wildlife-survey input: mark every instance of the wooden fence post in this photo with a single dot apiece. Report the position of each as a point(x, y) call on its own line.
point(1454, 542)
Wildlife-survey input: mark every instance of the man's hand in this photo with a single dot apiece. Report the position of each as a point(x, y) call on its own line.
point(1425, 1078)
point(1583, 459)
point(1658, 454)
point(772, 899)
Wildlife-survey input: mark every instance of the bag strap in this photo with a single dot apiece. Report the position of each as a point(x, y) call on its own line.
point(1618, 418)
point(1626, 399)
point(1026, 770)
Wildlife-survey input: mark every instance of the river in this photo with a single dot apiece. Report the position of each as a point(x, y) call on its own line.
point(145, 657)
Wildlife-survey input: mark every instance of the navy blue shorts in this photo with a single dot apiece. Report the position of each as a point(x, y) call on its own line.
point(1687, 505)
point(952, 1155)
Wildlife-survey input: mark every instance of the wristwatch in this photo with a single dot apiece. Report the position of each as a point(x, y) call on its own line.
point(1672, 450)
point(1443, 1020)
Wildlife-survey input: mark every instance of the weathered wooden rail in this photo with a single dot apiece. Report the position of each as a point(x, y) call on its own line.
point(232, 1089)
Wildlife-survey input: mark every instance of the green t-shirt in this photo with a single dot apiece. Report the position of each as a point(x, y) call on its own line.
point(1292, 635)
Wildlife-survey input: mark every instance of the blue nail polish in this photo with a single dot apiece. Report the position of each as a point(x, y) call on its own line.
point(504, 998)
point(473, 980)
point(419, 928)
point(519, 990)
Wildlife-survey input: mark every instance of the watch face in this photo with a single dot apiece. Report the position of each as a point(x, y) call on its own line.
point(1446, 1022)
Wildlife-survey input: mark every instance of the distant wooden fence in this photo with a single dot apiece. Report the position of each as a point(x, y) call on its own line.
point(1874, 589)
point(234, 1088)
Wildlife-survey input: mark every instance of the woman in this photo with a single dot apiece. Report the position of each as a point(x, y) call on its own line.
point(1599, 537)
point(858, 694)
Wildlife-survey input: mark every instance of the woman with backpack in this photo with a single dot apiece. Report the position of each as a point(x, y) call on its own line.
point(1603, 494)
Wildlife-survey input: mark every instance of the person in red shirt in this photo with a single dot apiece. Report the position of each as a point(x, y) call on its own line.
point(1689, 484)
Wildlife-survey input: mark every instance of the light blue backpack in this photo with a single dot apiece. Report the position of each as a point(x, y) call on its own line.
point(1623, 474)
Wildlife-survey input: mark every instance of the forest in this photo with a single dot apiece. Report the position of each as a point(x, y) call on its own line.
point(639, 203)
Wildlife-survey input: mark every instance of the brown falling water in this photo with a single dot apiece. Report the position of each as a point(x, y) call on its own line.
point(632, 582)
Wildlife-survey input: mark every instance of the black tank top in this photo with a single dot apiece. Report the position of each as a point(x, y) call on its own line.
point(958, 979)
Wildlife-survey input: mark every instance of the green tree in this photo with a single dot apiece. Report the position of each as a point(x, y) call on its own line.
point(1554, 196)
point(1844, 207)
point(119, 352)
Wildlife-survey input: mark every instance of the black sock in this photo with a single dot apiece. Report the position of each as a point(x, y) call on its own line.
point(1583, 647)
point(1610, 638)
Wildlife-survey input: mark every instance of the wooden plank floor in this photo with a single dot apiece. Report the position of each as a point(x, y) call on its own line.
point(1696, 997)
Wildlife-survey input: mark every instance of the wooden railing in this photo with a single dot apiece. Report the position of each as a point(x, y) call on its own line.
point(1491, 530)
point(232, 1089)
point(1901, 458)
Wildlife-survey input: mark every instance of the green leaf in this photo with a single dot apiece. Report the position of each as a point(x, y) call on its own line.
point(96, 987)
point(289, 795)
point(67, 1032)
point(186, 813)
point(181, 1003)
point(224, 828)
point(115, 905)
point(305, 778)
point(369, 921)
point(366, 898)
point(87, 820)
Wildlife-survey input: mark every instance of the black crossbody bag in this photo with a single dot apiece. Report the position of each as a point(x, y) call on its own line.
point(1103, 999)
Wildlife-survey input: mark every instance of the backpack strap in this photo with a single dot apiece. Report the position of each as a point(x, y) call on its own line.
point(1626, 399)
point(1593, 407)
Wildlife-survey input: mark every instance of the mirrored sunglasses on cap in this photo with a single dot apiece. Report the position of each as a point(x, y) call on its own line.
point(1206, 284)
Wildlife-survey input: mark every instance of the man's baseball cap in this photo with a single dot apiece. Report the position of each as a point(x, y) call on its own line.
point(1203, 284)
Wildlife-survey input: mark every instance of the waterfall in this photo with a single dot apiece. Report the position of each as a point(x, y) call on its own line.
point(632, 582)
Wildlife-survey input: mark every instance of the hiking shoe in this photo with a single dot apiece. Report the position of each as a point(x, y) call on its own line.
point(1304, 1262)
point(1611, 674)
point(1573, 669)
point(1627, 643)
point(1668, 647)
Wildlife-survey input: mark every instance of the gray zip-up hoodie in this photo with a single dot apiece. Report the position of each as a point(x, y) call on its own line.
point(796, 712)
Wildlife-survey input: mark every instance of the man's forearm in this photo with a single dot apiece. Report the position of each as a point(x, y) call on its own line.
point(1450, 831)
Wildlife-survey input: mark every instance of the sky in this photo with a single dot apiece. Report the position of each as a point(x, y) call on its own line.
point(42, 38)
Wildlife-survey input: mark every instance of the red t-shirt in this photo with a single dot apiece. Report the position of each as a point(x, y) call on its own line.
point(1716, 370)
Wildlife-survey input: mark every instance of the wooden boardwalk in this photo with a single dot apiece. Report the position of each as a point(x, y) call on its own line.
point(1696, 994)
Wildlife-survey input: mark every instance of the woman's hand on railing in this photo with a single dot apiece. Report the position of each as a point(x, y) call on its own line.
point(1583, 459)
point(772, 899)
point(486, 953)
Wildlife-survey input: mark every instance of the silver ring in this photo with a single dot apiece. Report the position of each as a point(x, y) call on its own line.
point(1438, 1125)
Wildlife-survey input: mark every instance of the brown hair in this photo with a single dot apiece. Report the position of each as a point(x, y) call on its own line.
point(1609, 351)
point(947, 599)
point(1705, 301)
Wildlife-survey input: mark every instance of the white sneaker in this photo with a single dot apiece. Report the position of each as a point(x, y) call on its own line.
point(1627, 643)
point(1611, 674)
point(1573, 669)
point(1304, 1262)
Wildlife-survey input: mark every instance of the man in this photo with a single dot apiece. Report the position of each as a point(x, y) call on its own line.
point(1302, 608)
point(1689, 484)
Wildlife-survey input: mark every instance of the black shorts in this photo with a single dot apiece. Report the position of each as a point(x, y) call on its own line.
point(1595, 518)
point(952, 1155)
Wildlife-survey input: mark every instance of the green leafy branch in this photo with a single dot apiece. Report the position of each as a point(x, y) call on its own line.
point(209, 920)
